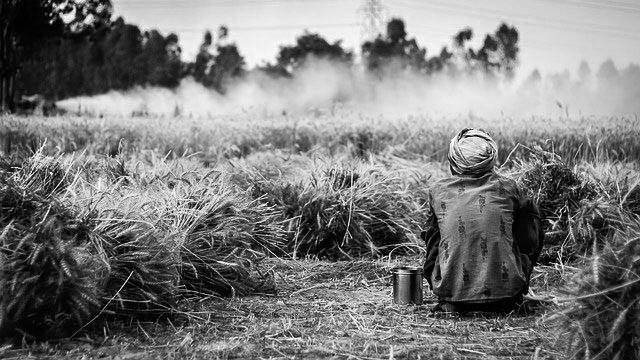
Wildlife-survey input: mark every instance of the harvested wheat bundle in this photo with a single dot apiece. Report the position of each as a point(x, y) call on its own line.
point(631, 199)
point(563, 196)
point(602, 315)
point(45, 175)
point(112, 169)
point(222, 238)
point(9, 164)
point(342, 212)
point(267, 165)
point(48, 272)
point(342, 178)
point(142, 269)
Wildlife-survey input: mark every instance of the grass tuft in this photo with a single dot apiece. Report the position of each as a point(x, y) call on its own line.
point(48, 271)
point(340, 213)
point(569, 204)
point(222, 237)
point(142, 269)
point(602, 315)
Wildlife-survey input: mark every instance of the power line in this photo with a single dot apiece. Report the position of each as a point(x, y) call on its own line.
point(545, 20)
point(538, 21)
point(271, 27)
point(491, 13)
point(603, 5)
point(194, 4)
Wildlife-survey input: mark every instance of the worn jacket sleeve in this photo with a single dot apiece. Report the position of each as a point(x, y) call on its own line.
point(431, 237)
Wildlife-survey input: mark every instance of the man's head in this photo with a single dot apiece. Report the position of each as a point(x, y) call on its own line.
point(472, 152)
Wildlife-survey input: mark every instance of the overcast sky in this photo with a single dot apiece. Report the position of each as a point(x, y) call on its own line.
point(554, 34)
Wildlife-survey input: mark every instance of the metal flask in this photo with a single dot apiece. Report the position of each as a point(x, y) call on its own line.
point(407, 285)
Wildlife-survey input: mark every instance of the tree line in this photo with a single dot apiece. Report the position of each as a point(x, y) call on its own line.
point(62, 48)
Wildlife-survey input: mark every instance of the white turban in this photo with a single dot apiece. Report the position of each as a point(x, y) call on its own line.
point(472, 152)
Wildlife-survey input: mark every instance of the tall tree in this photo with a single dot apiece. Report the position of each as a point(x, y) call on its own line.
point(160, 59)
point(117, 57)
point(394, 48)
point(499, 51)
point(584, 72)
point(309, 44)
point(203, 60)
point(123, 51)
point(214, 70)
point(227, 64)
point(507, 37)
point(608, 72)
point(25, 24)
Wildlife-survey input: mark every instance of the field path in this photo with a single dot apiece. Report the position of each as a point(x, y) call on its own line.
point(339, 310)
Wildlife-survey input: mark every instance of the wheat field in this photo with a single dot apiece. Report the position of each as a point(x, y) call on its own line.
point(273, 236)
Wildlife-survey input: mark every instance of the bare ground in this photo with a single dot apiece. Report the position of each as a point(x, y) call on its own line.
point(321, 310)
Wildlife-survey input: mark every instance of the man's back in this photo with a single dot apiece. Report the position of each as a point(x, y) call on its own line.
point(477, 259)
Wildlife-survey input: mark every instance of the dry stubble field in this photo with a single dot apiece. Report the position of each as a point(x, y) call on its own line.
point(337, 310)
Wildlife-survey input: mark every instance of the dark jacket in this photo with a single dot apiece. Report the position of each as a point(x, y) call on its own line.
point(482, 239)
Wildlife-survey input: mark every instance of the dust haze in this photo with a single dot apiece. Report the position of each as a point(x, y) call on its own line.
point(322, 86)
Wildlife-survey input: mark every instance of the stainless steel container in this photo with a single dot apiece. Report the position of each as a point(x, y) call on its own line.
point(407, 285)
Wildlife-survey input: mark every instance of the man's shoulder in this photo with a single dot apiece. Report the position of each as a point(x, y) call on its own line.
point(507, 186)
point(505, 181)
point(443, 183)
point(438, 188)
point(488, 177)
point(455, 182)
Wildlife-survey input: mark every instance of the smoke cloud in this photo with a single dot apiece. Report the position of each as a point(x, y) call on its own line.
point(324, 86)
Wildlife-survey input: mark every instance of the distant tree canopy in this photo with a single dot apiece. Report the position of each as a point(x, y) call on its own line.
point(308, 45)
point(117, 57)
point(499, 52)
point(607, 71)
point(26, 24)
point(394, 49)
point(65, 48)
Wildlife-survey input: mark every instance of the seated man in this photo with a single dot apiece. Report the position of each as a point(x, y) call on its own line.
point(483, 237)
